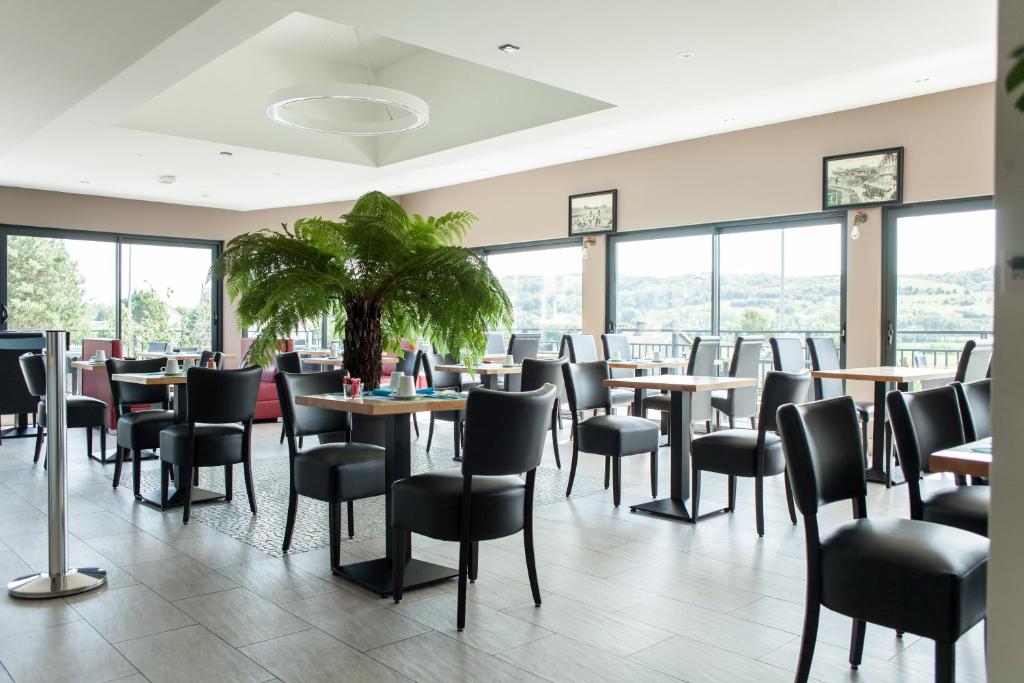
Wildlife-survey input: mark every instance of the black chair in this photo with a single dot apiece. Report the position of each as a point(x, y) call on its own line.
point(520, 347)
point(740, 403)
point(443, 380)
point(287, 361)
point(83, 412)
point(216, 356)
point(746, 453)
point(903, 574)
point(974, 361)
point(408, 364)
point(221, 407)
point(487, 499)
point(700, 363)
point(158, 347)
point(975, 408)
point(537, 373)
point(613, 436)
point(138, 430)
point(616, 343)
point(335, 473)
point(787, 354)
point(924, 422)
point(15, 398)
point(825, 356)
point(581, 348)
point(495, 343)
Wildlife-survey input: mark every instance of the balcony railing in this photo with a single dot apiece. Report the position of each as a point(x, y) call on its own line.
point(934, 348)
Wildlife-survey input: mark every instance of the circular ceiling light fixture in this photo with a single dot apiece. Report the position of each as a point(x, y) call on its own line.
point(315, 108)
point(167, 179)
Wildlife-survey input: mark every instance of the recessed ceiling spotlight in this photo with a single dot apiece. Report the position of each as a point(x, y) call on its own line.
point(204, 195)
point(509, 48)
point(226, 154)
point(922, 80)
point(167, 179)
point(85, 182)
point(728, 120)
point(684, 55)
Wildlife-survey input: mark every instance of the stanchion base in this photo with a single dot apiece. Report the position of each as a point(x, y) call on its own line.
point(43, 585)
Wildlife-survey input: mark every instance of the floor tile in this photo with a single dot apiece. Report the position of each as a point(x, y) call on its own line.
point(177, 578)
point(277, 581)
point(130, 612)
point(314, 657)
point(486, 629)
point(354, 620)
point(697, 662)
point(132, 548)
point(97, 524)
point(68, 652)
point(191, 654)
point(560, 659)
point(434, 658)
point(240, 616)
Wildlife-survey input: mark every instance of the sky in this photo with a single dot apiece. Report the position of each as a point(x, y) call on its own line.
point(946, 243)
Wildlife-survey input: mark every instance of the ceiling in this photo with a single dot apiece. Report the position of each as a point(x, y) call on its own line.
point(122, 92)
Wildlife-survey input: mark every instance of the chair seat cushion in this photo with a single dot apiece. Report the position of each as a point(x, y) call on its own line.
point(965, 507)
point(83, 411)
point(141, 428)
point(622, 396)
point(617, 435)
point(340, 471)
point(734, 451)
point(431, 504)
point(662, 402)
point(216, 444)
point(924, 578)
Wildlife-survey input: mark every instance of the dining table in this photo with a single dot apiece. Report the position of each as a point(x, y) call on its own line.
point(180, 356)
point(488, 372)
point(884, 377)
point(682, 389)
point(972, 459)
point(180, 383)
point(641, 367)
point(376, 574)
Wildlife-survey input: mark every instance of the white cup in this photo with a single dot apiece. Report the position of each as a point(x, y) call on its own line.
point(101, 356)
point(509, 361)
point(172, 367)
point(396, 379)
point(187, 363)
point(406, 386)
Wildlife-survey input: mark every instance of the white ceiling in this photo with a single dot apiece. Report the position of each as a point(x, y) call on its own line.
point(119, 92)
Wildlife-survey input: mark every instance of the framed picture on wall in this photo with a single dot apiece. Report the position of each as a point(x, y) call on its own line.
point(592, 213)
point(870, 178)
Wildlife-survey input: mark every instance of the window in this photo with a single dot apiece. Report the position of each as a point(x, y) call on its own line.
point(545, 284)
point(940, 263)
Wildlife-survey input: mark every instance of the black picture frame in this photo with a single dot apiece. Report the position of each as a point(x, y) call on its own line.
point(605, 227)
point(897, 198)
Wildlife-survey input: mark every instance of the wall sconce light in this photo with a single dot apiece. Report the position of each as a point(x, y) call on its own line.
point(588, 242)
point(859, 219)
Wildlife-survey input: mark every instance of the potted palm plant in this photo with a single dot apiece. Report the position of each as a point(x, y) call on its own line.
point(379, 274)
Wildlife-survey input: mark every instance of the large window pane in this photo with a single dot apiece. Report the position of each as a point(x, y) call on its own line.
point(62, 284)
point(546, 289)
point(663, 292)
point(165, 296)
point(945, 266)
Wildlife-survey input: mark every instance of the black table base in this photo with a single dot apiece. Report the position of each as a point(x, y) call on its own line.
point(376, 574)
point(875, 473)
point(19, 432)
point(110, 455)
point(175, 498)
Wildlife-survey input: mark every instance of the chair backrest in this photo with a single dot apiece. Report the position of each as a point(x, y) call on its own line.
point(302, 420)
point(703, 353)
point(127, 394)
point(788, 354)
point(746, 357)
point(218, 359)
point(825, 356)
point(617, 343)
point(923, 422)
point(523, 346)
point(289, 361)
point(780, 388)
point(158, 346)
point(15, 397)
point(581, 347)
point(33, 368)
point(505, 430)
point(584, 386)
point(974, 362)
point(537, 373)
point(204, 358)
point(976, 408)
point(495, 343)
point(407, 362)
point(439, 379)
point(821, 441)
point(222, 396)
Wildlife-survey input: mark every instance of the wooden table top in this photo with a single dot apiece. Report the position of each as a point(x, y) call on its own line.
point(149, 378)
point(373, 406)
point(964, 459)
point(484, 369)
point(324, 361)
point(179, 356)
point(689, 383)
point(89, 365)
point(645, 364)
point(886, 373)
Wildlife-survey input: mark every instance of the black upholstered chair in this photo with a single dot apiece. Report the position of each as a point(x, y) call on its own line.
point(924, 422)
point(739, 403)
point(83, 412)
point(443, 380)
point(487, 498)
point(336, 473)
point(975, 408)
point(748, 453)
point(825, 356)
point(522, 346)
point(158, 347)
point(537, 373)
point(974, 361)
point(609, 435)
point(912, 576)
point(15, 398)
point(221, 407)
point(581, 348)
point(495, 343)
point(287, 361)
point(205, 357)
point(788, 355)
point(700, 363)
point(138, 430)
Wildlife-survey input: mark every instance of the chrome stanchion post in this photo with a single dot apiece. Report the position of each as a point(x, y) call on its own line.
point(59, 579)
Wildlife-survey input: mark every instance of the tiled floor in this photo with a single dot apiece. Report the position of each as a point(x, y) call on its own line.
point(626, 597)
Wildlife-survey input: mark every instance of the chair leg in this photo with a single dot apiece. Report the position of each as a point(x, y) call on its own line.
point(558, 412)
point(759, 503)
point(753, 423)
point(39, 444)
point(103, 444)
point(888, 457)
point(118, 462)
point(732, 422)
point(415, 425)
point(857, 642)
point(572, 468)
point(945, 662)
point(229, 482)
point(607, 472)
point(397, 564)
point(654, 473)
point(864, 440)
point(789, 499)
point(554, 437)
point(137, 473)
point(289, 526)
point(88, 441)
point(707, 426)
point(165, 479)
point(334, 531)
point(812, 611)
point(186, 485)
point(457, 432)
point(474, 560)
point(732, 494)
point(249, 490)
point(281, 440)
point(430, 432)
point(694, 493)
point(460, 617)
point(351, 520)
point(531, 560)
point(617, 480)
